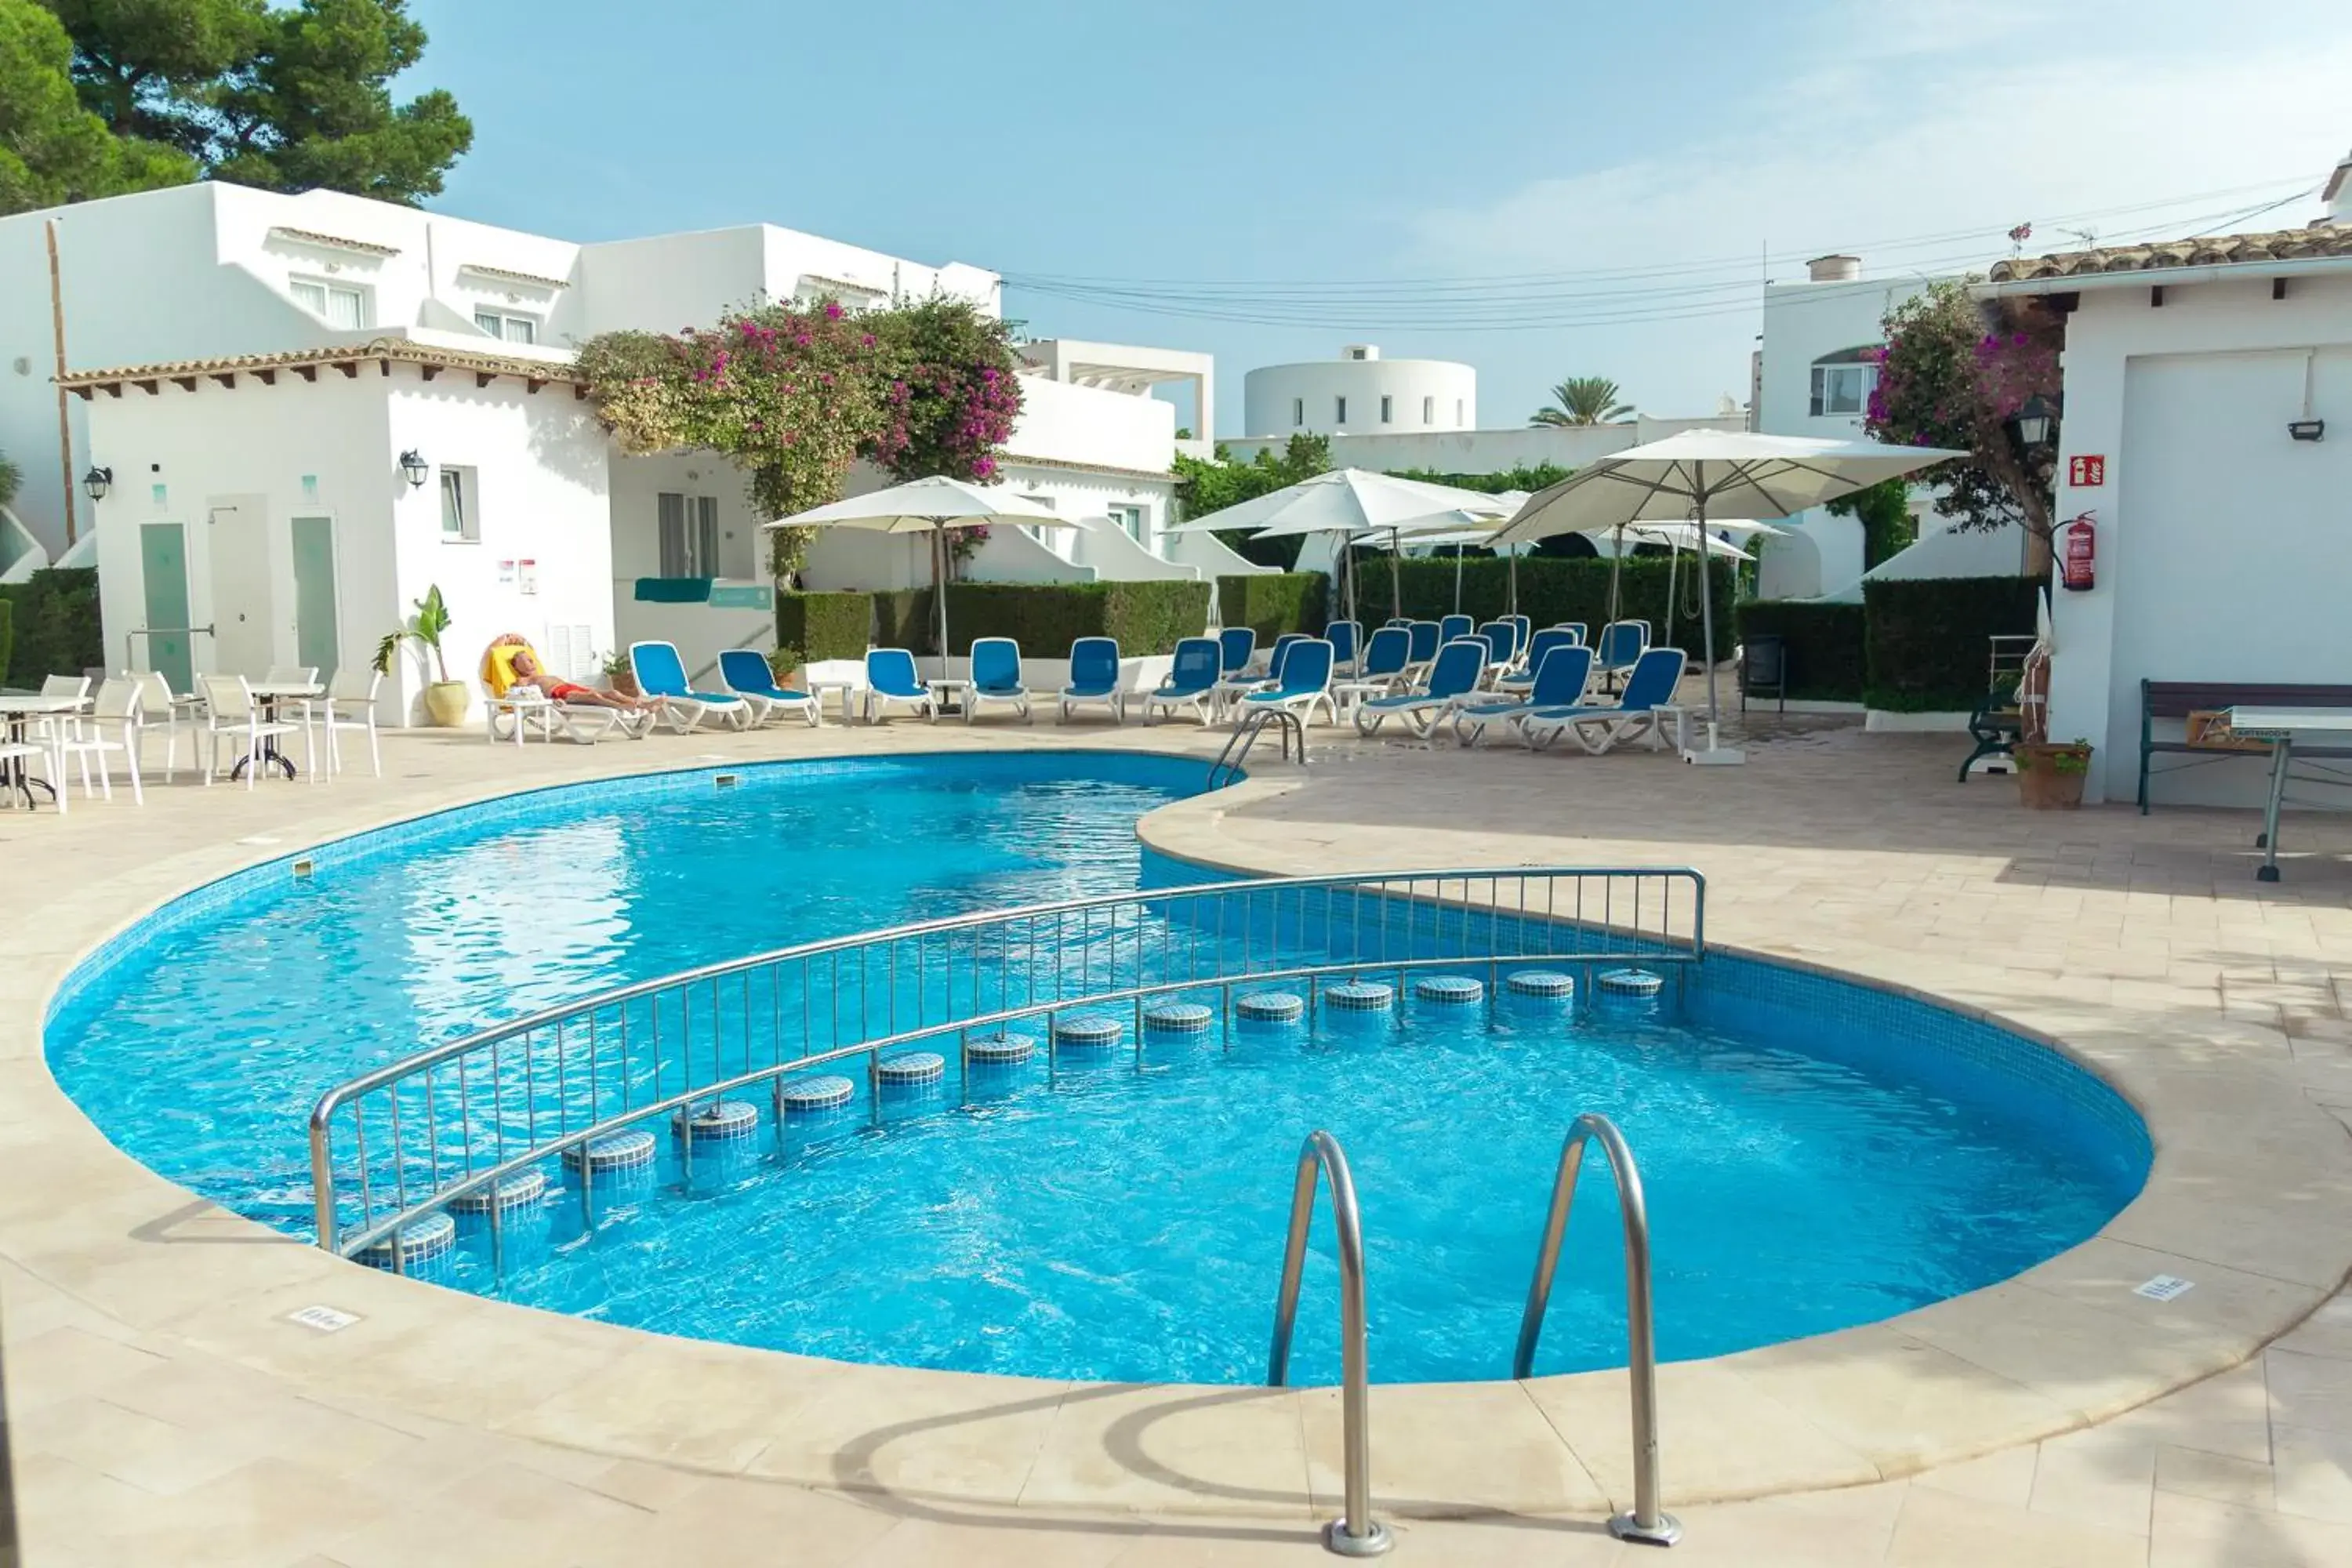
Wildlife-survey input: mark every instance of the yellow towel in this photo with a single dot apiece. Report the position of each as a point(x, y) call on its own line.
point(497, 664)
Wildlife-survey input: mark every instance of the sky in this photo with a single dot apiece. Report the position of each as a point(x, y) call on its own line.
point(1541, 190)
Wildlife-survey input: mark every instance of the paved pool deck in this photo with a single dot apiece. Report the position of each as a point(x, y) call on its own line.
point(165, 1410)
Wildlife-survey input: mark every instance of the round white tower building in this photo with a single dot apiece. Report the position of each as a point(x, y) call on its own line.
point(1359, 394)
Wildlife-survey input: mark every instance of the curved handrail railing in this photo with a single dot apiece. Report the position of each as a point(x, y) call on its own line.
point(406, 1139)
point(1355, 1533)
point(1645, 1521)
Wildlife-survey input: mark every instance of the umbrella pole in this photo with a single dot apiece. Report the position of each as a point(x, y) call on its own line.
point(1457, 576)
point(1616, 565)
point(1515, 578)
point(1396, 576)
point(1673, 565)
point(939, 587)
point(1705, 607)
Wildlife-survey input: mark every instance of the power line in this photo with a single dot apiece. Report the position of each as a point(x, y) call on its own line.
point(1506, 303)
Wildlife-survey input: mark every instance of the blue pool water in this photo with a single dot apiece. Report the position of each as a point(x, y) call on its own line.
point(1817, 1156)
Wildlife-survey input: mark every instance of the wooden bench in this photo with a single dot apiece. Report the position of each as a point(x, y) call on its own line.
point(2179, 698)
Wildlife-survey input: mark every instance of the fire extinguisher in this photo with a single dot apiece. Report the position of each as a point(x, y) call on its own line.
point(2078, 567)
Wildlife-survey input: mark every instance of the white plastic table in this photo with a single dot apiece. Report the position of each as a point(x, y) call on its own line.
point(846, 688)
point(19, 709)
point(273, 695)
point(2279, 726)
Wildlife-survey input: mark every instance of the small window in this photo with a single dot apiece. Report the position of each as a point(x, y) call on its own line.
point(1843, 388)
point(689, 526)
point(1355, 353)
point(1429, 411)
point(1340, 416)
point(1130, 518)
point(461, 522)
point(508, 327)
point(1297, 412)
point(336, 304)
point(1386, 412)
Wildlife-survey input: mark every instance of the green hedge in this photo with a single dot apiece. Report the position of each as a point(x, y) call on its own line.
point(1285, 602)
point(1927, 651)
point(56, 625)
point(7, 634)
point(824, 626)
point(1824, 644)
point(1553, 589)
point(1046, 618)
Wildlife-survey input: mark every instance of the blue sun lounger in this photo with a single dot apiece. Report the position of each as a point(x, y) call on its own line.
point(661, 678)
point(1559, 682)
point(891, 678)
point(1094, 677)
point(1191, 681)
point(996, 678)
point(1545, 641)
point(1649, 690)
point(1451, 679)
point(746, 673)
point(1305, 680)
point(1381, 669)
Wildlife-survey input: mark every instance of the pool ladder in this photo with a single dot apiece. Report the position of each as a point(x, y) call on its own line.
point(1227, 768)
point(1355, 1533)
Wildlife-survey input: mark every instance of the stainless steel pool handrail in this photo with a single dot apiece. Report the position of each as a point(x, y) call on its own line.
point(453, 1119)
point(1355, 1533)
point(1227, 768)
point(1645, 1521)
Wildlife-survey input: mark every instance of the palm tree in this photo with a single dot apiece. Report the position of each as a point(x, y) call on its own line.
point(1582, 400)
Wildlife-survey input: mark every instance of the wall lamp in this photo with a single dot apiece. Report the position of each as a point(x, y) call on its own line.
point(2307, 430)
point(414, 466)
point(97, 482)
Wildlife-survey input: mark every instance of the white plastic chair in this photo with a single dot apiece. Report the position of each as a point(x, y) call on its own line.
point(52, 728)
point(117, 706)
point(159, 708)
point(230, 712)
point(292, 675)
point(350, 704)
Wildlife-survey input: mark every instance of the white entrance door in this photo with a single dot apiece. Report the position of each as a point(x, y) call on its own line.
point(237, 539)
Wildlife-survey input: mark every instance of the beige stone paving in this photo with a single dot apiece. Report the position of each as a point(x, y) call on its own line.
point(163, 1413)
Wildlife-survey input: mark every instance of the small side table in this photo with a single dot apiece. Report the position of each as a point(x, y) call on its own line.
point(947, 686)
point(847, 689)
point(523, 709)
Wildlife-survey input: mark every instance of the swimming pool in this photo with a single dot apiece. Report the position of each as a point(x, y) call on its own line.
point(1818, 1154)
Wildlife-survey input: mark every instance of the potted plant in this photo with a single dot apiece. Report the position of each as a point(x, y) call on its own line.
point(445, 701)
point(619, 674)
point(784, 663)
point(2049, 773)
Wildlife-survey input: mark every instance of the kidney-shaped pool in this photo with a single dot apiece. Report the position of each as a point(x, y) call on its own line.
point(1818, 1154)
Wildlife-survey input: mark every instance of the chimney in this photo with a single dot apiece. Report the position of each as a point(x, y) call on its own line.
point(2338, 194)
point(1833, 268)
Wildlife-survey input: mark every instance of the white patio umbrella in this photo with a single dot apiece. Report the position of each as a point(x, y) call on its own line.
point(931, 505)
point(1349, 501)
point(1734, 473)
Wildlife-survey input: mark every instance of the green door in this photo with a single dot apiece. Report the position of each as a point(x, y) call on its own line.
point(314, 593)
point(163, 568)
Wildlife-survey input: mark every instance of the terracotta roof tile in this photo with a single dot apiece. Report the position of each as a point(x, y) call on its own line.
point(2216, 250)
point(334, 241)
point(400, 351)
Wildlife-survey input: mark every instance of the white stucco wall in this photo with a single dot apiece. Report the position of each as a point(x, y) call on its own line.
point(272, 454)
point(1803, 322)
point(544, 497)
point(2224, 548)
point(1279, 400)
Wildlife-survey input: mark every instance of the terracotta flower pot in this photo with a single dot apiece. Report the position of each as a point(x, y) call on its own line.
point(446, 703)
point(2050, 775)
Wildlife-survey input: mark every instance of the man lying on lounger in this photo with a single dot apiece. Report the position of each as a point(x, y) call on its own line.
point(528, 673)
point(522, 663)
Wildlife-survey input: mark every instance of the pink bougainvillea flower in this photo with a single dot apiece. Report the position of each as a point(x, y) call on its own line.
point(833, 311)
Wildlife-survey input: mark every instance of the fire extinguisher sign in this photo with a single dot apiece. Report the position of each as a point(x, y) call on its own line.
point(2087, 472)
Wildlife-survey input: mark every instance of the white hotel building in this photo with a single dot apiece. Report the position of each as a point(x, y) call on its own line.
point(250, 370)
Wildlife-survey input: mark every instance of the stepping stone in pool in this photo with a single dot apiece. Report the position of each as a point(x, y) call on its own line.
point(1450, 990)
point(419, 1243)
point(1087, 1032)
point(1360, 996)
point(1271, 1007)
point(1541, 984)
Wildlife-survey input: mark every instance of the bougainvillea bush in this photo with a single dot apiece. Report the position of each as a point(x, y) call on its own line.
point(794, 394)
point(1953, 373)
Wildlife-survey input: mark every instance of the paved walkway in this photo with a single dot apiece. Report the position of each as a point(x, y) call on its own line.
point(153, 1426)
